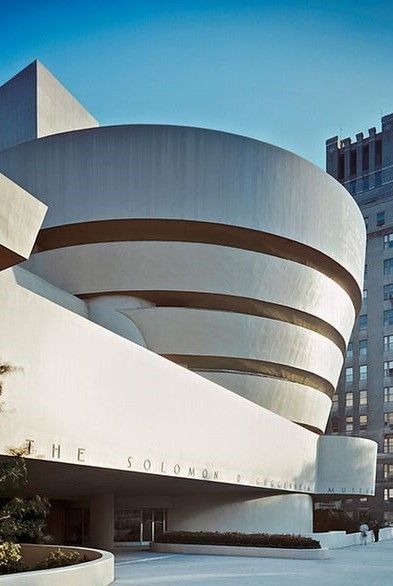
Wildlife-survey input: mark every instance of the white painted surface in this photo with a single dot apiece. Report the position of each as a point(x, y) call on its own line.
point(107, 312)
point(118, 386)
point(285, 513)
point(339, 539)
point(58, 110)
point(257, 552)
point(294, 401)
point(172, 172)
point(37, 285)
point(334, 475)
point(99, 572)
point(113, 384)
point(191, 266)
point(34, 103)
point(173, 330)
point(21, 216)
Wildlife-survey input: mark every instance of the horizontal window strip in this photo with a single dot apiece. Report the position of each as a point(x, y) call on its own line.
point(232, 303)
point(202, 232)
point(251, 366)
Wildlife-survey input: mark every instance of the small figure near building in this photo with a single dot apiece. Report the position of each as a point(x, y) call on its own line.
point(375, 528)
point(363, 533)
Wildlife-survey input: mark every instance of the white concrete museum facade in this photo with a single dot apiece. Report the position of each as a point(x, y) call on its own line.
point(179, 326)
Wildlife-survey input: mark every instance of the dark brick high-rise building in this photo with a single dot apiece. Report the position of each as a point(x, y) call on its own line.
point(363, 405)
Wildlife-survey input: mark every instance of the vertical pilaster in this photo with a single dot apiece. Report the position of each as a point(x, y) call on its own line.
point(359, 161)
point(332, 156)
point(372, 132)
point(102, 521)
point(347, 158)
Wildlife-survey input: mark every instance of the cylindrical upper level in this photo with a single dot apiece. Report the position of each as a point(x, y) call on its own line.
point(248, 260)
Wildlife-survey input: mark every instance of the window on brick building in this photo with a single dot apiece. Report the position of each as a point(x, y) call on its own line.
point(363, 348)
point(349, 399)
point(388, 394)
point(362, 422)
point(363, 397)
point(349, 375)
point(387, 471)
point(388, 368)
point(349, 424)
point(388, 444)
point(388, 241)
point(363, 372)
point(388, 292)
point(388, 317)
point(388, 266)
point(388, 418)
point(387, 494)
point(363, 321)
point(387, 343)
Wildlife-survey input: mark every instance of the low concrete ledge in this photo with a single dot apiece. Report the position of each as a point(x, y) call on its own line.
point(234, 550)
point(339, 539)
point(97, 571)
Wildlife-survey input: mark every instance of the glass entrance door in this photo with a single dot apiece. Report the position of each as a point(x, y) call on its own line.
point(139, 525)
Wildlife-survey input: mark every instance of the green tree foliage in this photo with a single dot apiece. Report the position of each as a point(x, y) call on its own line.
point(22, 519)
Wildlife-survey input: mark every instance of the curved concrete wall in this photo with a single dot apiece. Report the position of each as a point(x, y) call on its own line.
point(190, 174)
point(289, 399)
point(98, 570)
point(195, 267)
point(334, 475)
point(285, 513)
point(159, 418)
point(252, 256)
point(191, 333)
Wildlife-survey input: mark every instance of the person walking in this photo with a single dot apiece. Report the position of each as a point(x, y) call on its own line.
point(375, 527)
point(363, 533)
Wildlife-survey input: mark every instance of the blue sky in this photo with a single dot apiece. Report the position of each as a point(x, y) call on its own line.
point(291, 73)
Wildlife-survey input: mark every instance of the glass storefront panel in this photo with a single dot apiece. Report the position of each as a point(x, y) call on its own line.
point(139, 525)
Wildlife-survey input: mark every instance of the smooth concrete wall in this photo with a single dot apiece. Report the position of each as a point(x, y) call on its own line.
point(196, 267)
point(191, 174)
point(339, 539)
point(21, 216)
point(107, 311)
point(18, 117)
point(33, 104)
point(98, 571)
point(334, 476)
point(58, 110)
point(294, 401)
point(37, 285)
point(194, 332)
point(280, 295)
point(79, 379)
point(274, 514)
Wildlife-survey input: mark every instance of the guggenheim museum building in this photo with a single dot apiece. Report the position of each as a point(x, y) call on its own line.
point(176, 302)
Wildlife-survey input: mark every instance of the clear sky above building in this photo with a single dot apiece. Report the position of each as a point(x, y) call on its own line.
point(289, 72)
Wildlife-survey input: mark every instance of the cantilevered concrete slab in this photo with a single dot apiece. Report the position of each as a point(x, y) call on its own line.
point(21, 217)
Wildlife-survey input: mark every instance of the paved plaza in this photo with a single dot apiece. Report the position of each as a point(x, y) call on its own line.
point(351, 566)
